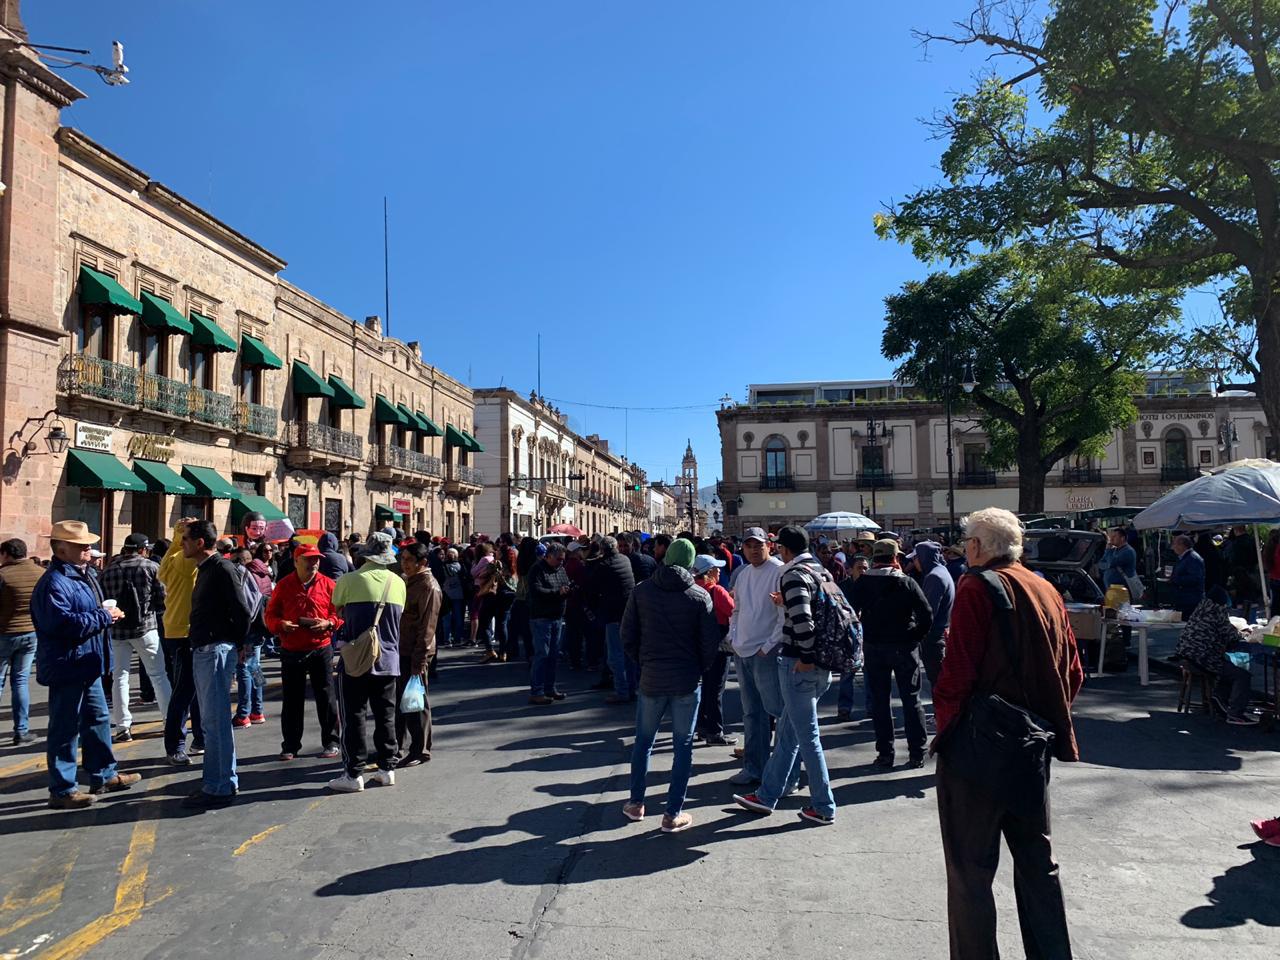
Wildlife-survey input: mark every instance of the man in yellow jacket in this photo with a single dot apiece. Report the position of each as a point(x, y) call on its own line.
point(178, 574)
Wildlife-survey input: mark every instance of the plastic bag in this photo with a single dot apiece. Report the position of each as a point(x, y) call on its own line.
point(414, 699)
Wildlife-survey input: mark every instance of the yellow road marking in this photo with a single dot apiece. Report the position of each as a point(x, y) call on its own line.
point(130, 899)
point(257, 837)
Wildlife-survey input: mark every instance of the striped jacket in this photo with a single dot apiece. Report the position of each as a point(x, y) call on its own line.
point(800, 578)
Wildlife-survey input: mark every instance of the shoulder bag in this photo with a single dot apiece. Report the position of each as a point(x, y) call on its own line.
point(359, 656)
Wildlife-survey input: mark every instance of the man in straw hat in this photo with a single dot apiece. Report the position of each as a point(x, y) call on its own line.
point(71, 619)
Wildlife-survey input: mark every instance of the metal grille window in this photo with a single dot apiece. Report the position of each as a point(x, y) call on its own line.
point(298, 511)
point(333, 516)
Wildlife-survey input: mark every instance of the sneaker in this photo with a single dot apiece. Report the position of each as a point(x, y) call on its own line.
point(239, 722)
point(743, 779)
point(21, 739)
point(406, 762)
point(328, 753)
point(196, 750)
point(916, 761)
point(633, 811)
point(257, 718)
point(70, 801)
point(749, 801)
point(884, 761)
point(557, 696)
point(347, 784)
point(383, 778)
point(1266, 829)
point(179, 759)
point(720, 740)
point(1244, 720)
point(681, 821)
point(541, 701)
point(121, 781)
point(286, 755)
point(199, 800)
point(813, 816)
point(122, 736)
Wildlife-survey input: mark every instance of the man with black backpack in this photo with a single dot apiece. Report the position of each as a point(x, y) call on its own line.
point(133, 580)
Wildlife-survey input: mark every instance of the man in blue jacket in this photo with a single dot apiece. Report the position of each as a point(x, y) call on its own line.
point(72, 656)
point(940, 590)
point(1188, 576)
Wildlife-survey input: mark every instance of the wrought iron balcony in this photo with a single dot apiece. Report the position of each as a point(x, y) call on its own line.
point(393, 462)
point(778, 481)
point(556, 491)
point(164, 395)
point(86, 376)
point(210, 407)
point(1178, 473)
point(321, 439)
point(464, 481)
point(976, 478)
point(879, 479)
point(1079, 475)
point(256, 419)
point(520, 481)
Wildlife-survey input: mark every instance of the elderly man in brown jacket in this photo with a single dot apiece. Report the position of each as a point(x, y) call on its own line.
point(417, 647)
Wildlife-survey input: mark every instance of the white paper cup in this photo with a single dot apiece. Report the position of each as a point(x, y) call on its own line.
point(109, 604)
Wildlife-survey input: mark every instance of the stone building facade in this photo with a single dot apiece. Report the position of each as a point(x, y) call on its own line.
point(189, 377)
point(794, 451)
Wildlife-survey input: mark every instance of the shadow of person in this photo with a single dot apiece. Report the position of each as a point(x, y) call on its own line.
point(1245, 892)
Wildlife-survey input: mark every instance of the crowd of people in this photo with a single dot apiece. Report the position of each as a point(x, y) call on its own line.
point(661, 620)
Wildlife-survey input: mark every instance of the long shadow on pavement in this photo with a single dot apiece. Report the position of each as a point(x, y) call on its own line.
point(1244, 893)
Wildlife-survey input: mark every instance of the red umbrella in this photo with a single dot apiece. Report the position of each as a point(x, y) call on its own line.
point(568, 528)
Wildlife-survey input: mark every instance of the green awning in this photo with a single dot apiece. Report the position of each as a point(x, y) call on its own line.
point(308, 383)
point(383, 514)
point(384, 411)
point(472, 443)
point(344, 398)
point(97, 288)
point(243, 503)
point(432, 428)
point(255, 353)
point(160, 479)
point(209, 334)
point(209, 483)
point(411, 419)
point(100, 471)
point(453, 437)
point(159, 314)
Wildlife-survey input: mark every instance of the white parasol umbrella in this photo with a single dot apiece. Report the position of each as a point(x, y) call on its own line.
point(841, 522)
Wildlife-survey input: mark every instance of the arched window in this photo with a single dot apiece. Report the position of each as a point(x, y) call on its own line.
point(1175, 449)
point(775, 461)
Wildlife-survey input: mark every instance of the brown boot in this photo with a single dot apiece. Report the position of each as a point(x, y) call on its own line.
point(70, 801)
point(121, 781)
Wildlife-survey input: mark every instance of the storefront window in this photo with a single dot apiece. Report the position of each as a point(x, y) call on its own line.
point(199, 507)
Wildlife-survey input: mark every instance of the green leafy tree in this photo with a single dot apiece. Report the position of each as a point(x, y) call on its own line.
point(1145, 134)
point(1050, 344)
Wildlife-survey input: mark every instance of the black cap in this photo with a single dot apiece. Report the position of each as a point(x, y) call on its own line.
point(137, 541)
point(794, 539)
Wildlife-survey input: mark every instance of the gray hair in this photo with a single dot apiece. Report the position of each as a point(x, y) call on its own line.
point(998, 532)
point(608, 546)
point(554, 548)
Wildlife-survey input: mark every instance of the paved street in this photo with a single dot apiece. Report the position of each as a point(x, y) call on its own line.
point(510, 843)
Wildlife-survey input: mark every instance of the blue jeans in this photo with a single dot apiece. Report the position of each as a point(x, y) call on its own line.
point(546, 644)
point(78, 711)
point(249, 683)
point(457, 632)
point(649, 714)
point(626, 673)
point(798, 734)
point(214, 665)
point(761, 699)
point(844, 699)
point(17, 650)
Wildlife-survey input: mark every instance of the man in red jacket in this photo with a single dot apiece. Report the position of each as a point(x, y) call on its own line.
point(301, 613)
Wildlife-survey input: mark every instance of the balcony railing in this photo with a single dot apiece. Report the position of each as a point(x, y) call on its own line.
point(778, 481)
point(1081, 474)
point(322, 438)
point(210, 407)
point(87, 376)
point(557, 490)
point(520, 481)
point(976, 478)
point(464, 474)
point(256, 419)
point(880, 479)
point(164, 395)
point(1180, 474)
point(410, 461)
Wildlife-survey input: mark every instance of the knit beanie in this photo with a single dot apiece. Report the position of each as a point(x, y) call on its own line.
point(680, 554)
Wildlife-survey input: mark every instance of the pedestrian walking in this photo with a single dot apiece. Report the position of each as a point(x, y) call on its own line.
point(549, 588)
point(251, 684)
point(940, 590)
point(19, 575)
point(178, 573)
point(669, 629)
point(610, 584)
point(417, 647)
point(72, 655)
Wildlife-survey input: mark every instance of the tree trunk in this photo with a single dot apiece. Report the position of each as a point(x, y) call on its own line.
point(1030, 472)
point(1267, 318)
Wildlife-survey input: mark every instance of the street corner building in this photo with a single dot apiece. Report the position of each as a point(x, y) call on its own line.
point(794, 451)
point(154, 364)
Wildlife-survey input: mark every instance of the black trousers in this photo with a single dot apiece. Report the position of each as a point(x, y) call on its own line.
point(295, 670)
point(518, 630)
point(884, 664)
point(416, 727)
point(183, 698)
point(374, 694)
point(973, 822)
point(711, 706)
point(931, 654)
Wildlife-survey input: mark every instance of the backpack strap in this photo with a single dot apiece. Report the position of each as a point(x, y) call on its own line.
point(1002, 605)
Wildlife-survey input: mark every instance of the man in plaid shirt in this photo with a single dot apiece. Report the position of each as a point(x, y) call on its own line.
point(132, 580)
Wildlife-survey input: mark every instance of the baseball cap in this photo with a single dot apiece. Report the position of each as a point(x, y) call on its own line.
point(138, 541)
point(307, 550)
point(704, 562)
point(794, 538)
point(755, 533)
point(884, 549)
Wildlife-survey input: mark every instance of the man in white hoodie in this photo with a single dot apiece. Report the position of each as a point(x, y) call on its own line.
point(756, 630)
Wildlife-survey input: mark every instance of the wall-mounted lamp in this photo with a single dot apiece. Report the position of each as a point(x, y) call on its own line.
point(56, 437)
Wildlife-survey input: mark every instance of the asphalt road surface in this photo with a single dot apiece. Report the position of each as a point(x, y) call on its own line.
point(511, 843)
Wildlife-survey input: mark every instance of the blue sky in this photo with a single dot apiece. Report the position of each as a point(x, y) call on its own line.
point(678, 196)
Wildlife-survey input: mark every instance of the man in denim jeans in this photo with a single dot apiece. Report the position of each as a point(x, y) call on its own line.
point(19, 575)
point(803, 683)
point(219, 625)
point(610, 583)
point(549, 586)
point(669, 629)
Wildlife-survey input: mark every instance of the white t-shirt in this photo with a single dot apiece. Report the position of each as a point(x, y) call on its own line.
point(757, 620)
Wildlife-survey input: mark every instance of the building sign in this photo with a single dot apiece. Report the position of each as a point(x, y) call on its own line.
point(150, 446)
point(90, 436)
point(401, 505)
point(1078, 501)
point(1186, 416)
